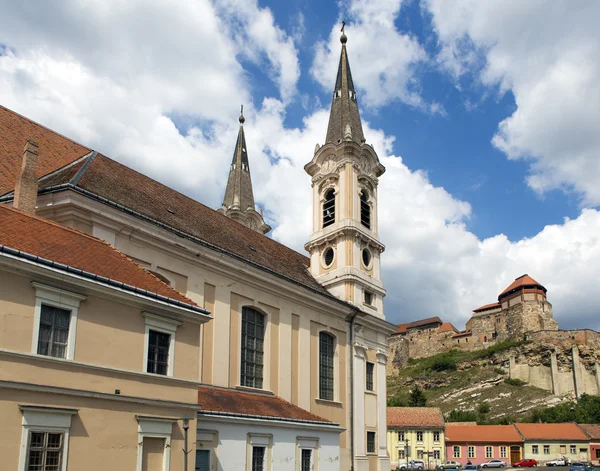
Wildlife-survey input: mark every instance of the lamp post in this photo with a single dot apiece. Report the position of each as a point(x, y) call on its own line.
point(186, 427)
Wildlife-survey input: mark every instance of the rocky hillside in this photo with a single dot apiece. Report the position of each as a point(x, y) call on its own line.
point(476, 384)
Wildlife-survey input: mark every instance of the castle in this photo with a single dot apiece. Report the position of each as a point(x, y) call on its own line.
point(565, 362)
point(522, 307)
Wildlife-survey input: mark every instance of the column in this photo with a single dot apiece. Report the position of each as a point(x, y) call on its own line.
point(360, 434)
point(382, 453)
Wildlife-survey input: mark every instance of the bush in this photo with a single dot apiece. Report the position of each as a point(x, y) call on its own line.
point(514, 382)
point(445, 362)
point(456, 415)
point(484, 407)
point(396, 401)
point(499, 371)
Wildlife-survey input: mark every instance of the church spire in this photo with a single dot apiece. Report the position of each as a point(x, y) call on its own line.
point(238, 202)
point(344, 117)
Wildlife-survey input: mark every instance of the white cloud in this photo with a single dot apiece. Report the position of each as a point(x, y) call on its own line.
point(382, 59)
point(547, 56)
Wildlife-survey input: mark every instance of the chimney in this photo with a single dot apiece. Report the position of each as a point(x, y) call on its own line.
point(26, 187)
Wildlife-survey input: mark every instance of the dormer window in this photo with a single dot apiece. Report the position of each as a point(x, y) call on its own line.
point(329, 208)
point(365, 210)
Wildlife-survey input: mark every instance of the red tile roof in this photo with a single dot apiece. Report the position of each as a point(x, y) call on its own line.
point(486, 306)
point(566, 431)
point(242, 403)
point(424, 322)
point(482, 434)
point(447, 327)
point(591, 430)
point(55, 151)
point(464, 333)
point(414, 417)
point(131, 191)
point(401, 329)
point(523, 280)
point(51, 241)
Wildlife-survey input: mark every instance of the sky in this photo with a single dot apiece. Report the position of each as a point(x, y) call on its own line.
point(485, 114)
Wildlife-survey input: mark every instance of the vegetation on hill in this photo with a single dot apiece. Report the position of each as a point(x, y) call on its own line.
point(585, 411)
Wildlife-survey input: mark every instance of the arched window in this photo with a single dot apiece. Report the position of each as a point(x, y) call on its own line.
point(329, 208)
point(365, 210)
point(253, 340)
point(326, 371)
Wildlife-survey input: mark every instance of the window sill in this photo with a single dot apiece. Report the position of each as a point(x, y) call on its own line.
point(266, 392)
point(372, 393)
point(327, 402)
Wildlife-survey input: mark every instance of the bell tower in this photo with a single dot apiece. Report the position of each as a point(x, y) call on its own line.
point(344, 245)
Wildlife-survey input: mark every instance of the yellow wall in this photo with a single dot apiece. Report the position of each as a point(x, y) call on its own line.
point(557, 450)
point(427, 444)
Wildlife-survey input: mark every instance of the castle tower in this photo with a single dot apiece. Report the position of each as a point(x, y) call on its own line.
point(344, 245)
point(526, 307)
point(238, 202)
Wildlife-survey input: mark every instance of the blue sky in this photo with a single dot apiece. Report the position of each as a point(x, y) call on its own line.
point(486, 115)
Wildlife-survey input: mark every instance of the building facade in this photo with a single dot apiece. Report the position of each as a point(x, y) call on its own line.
point(593, 433)
point(546, 442)
point(99, 359)
point(415, 433)
point(480, 443)
point(282, 324)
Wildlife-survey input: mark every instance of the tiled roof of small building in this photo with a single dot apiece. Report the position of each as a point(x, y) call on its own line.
point(112, 183)
point(565, 431)
point(523, 280)
point(414, 417)
point(447, 327)
point(22, 234)
point(464, 333)
point(591, 430)
point(55, 150)
point(486, 307)
point(482, 434)
point(223, 401)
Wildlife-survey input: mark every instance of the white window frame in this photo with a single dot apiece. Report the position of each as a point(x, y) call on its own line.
point(155, 427)
point(263, 440)
point(455, 449)
point(421, 434)
point(535, 449)
point(470, 451)
point(438, 435)
point(60, 298)
point(308, 443)
point(45, 419)
point(503, 452)
point(489, 455)
point(546, 449)
point(166, 326)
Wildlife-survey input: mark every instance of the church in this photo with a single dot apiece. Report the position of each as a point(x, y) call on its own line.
point(140, 329)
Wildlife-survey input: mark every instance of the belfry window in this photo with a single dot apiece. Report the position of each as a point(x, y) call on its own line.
point(365, 210)
point(326, 372)
point(329, 208)
point(253, 339)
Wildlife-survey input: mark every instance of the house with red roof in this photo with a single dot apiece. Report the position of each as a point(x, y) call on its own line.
point(593, 433)
point(296, 345)
point(480, 443)
point(547, 442)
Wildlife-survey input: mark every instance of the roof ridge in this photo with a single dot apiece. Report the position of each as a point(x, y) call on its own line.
point(94, 239)
point(64, 167)
point(45, 127)
point(83, 169)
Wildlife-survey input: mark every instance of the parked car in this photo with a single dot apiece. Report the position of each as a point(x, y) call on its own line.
point(494, 464)
point(451, 465)
point(412, 464)
point(526, 463)
point(557, 462)
point(471, 467)
point(578, 466)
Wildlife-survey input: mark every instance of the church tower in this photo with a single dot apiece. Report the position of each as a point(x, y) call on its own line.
point(344, 246)
point(238, 202)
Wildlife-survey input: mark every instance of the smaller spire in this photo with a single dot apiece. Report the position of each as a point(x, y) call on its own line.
point(343, 37)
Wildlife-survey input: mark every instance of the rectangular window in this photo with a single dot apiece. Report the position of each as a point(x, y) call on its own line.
point(370, 370)
point(573, 449)
point(158, 352)
point(419, 436)
point(369, 298)
point(563, 449)
point(44, 452)
point(502, 452)
point(400, 436)
point(371, 442)
point(535, 449)
point(471, 452)
point(598, 453)
point(456, 451)
point(402, 454)
point(436, 436)
point(326, 371)
point(546, 449)
point(253, 339)
point(306, 460)
point(488, 452)
point(436, 454)
point(583, 451)
point(258, 458)
point(54, 331)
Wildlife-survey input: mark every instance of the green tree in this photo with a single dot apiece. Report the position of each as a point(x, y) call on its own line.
point(484, 407)
point(456, 415)
point(396, 401)
point(417, 397)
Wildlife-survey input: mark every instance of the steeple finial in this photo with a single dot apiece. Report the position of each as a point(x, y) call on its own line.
point(343, 37)
point(241, 118)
